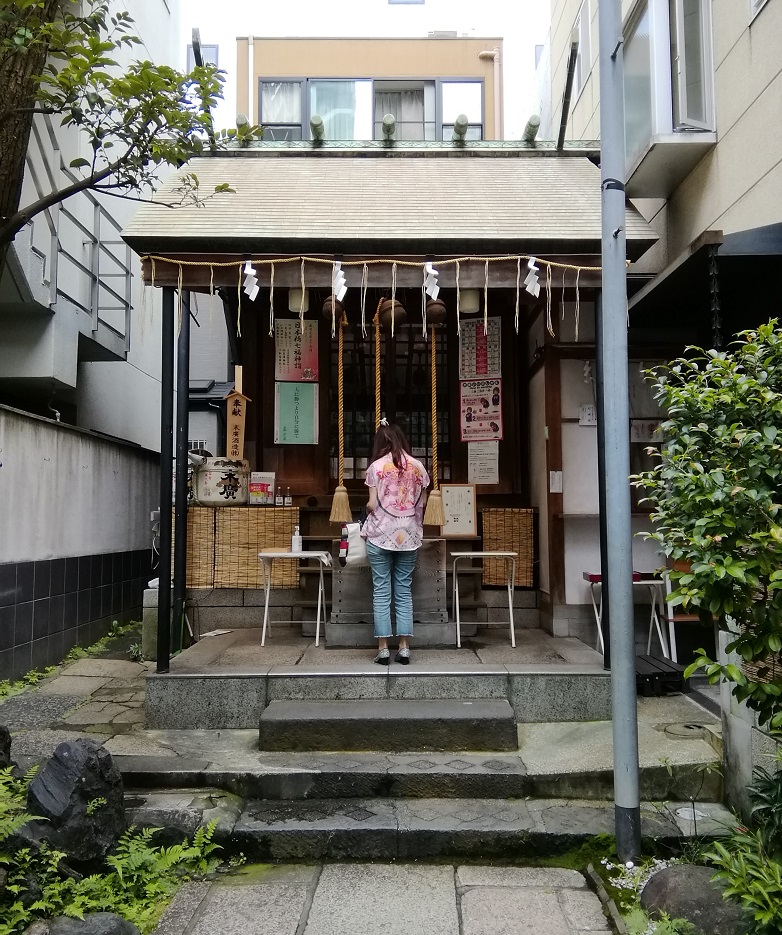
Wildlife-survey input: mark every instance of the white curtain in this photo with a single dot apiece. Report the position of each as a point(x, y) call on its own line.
point(407, 107)
point(281, 102)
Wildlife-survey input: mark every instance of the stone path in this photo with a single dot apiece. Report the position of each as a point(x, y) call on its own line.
point(387, 899)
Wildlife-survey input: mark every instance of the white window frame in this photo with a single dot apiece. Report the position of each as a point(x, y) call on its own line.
point(583, 26)
point(686, 121)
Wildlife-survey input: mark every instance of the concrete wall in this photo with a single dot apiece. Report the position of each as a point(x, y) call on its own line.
point(65, 492)
point(75, 540)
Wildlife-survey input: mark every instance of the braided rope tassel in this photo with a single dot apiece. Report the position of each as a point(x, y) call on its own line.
point(458, 302)
point(434, 515)
point(340, 505)
point(271, 302)
point(377, 366)
point(486, 297)
point(393, 297)
point(239, 304)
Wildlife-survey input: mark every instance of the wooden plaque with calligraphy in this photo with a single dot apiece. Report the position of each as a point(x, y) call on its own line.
point(236, 413)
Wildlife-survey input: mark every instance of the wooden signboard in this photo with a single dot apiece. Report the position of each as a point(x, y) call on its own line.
point(236, 413)
point(460, 511)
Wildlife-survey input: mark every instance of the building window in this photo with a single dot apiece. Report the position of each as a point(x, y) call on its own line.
point(413, 105)
point(281, 109)
point(208, 56)
point(584, 56)
point(353, 109)
point(668, 72)
point(462, 97)
point(345, 106)
point(691, 64)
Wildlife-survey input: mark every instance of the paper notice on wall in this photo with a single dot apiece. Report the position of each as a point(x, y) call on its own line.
point(483, 459)
point(295, 352)
point(296, 414)
point(480, 410)
point(480, 354)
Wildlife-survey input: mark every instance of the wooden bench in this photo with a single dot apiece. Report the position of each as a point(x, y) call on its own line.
point(654, 676)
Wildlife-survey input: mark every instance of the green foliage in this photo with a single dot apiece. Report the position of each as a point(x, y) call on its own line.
point(766, 796)
point(94, 804)
point(751, 876)
point(749, 860)
point(140, 877)
point(132, 118)
point(9, 688)
point(717, 497)
point(639, 923)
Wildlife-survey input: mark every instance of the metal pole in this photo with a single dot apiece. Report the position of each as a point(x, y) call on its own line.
point(166, 458)
point(616, 435)
point(180, 490)
point(605, 620)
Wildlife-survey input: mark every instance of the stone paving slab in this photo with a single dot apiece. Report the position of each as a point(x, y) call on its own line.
point(547, 877)
point(386, 898)
point(32, 710)
point(72, 685)
point(356, 899)
point(499, 911)
point(274, 909)
point(111, 668)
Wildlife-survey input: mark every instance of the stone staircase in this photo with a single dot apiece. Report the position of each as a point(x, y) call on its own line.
point(505, 762)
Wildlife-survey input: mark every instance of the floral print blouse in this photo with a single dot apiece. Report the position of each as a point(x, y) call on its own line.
point(397, 521)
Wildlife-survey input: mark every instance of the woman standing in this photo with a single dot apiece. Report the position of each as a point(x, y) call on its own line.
point(393, 529)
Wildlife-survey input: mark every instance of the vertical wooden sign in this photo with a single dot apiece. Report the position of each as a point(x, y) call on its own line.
point(236, 412)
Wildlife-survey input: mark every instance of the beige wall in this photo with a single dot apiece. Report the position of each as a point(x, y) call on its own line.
point(738, 185)
point(366, 58)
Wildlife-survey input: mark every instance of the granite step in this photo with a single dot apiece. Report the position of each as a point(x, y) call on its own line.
point(324, 775)
point(392, 828)
point(388, 725)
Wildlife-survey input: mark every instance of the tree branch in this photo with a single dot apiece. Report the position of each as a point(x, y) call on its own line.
point(12, 225)
point(16, 111)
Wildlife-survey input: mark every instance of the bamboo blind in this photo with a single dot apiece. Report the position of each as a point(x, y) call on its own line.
point(241, 533)
point(509, 530)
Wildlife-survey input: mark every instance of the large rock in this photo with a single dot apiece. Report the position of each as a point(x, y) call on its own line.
point(67, 792)
point(685, 891)
point(95, 923)
point(5, 747)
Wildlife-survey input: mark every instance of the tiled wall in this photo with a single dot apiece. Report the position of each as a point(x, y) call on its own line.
point(48, 607)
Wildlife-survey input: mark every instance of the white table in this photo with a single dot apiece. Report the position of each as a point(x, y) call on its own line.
point(510, 562)
point(322, 558)
point(655, 589)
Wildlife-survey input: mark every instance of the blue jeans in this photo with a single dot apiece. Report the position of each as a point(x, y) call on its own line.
point(390, 566)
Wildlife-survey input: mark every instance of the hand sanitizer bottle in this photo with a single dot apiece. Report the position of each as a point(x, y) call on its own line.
point(296, 540)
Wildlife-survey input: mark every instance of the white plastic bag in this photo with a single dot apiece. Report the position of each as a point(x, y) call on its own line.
point(357, 547)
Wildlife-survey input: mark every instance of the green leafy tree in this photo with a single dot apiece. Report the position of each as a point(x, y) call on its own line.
point(717, 497)
point(57, 58)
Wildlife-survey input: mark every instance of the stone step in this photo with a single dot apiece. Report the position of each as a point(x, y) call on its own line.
point(291, 776)
point(235, 699)
point(375, 829)
point(425, 725)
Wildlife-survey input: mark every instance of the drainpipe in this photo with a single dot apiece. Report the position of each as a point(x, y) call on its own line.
point(569, 78)
point(494, 54)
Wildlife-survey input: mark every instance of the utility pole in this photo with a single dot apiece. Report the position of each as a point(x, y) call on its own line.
point(615, 408)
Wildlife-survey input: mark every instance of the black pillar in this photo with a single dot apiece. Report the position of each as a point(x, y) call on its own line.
point(166, 459)
point(180, 490)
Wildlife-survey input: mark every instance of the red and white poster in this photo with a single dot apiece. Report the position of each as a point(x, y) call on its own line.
point(480, 410)
point(480, 354)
